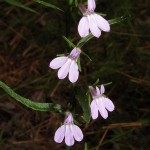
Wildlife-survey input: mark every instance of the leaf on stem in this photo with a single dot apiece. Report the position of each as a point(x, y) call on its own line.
point(31, 104)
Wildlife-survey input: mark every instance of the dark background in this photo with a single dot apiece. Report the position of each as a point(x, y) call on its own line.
point(29, 41)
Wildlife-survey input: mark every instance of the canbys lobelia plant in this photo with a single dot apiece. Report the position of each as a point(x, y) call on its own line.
point(91, 25)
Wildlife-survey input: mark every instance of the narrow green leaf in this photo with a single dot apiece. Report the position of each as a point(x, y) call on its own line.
point(84, 103)
point(107, 83)
point(86, 55)
point(79, 64)
point(18, 4)
point(60, 55)
point(96, 82)
point(84, 40)
point(85, 146)
point(30, 104)
point(69, 42)
point(47, 4)
point(117, 20)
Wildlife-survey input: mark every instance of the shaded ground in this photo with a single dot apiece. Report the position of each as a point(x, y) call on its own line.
point(28, 42)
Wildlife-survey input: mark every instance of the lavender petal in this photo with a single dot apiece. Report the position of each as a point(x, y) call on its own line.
point(69, 140)
point(59, 134)
point(73, 72)
point(102, 89)
point(93, 26)
point(83, 27)
point(58, 62)
point(108, 104)
point(63, 71)
point(91, 5)
point(101, 108)
point(98, 91)
point(77, 133)
point(94, 109)
point(102, 23)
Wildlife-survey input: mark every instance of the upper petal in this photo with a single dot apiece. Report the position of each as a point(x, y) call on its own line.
point(98, 91)
point(59, 134)
point(101, 108)
point(63, 71)
point(83, 27)
point(73, 72)
point(93, 26)
point(91, 5)
point(57, 62)
point(102, 89)
point(108, 104)
point(94, 109)
point(102, 23)
point(77, 133)
point(69, 140)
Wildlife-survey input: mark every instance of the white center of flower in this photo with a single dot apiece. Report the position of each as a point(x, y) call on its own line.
point(88, 13)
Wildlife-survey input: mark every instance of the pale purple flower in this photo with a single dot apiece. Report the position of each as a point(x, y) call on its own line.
point(67, 65)
point(92, 21)
point(100, 103)
point(69, 131)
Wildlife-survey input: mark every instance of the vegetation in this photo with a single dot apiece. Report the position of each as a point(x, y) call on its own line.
point(32, 32)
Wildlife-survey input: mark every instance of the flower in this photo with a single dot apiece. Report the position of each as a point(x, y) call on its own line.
point(92, 21)
point(69, 131)
point(67, 64)
point(100, 103)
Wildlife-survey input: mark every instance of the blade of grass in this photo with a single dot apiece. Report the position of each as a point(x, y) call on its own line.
point(48, 5)
point(18, 4)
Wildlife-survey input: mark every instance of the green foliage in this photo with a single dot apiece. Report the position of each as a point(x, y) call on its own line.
point(84, 102)
point(85, 146)
point(19, 4)
point(84, 40)
point(120, 56)
point(117, 20)
point(47, 4)
point(28, 103)
point(70, 44)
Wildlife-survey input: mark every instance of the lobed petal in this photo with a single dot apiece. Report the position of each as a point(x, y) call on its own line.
point(93, 26)
point(69, 140)
point(102, 23)
point(63, 71)
point(77, 133)
point(91, 5)
point(58, 62)
point(83, 27)
point(108, 104)
point(60, 134)
point(101, 108)
point(94, 109)
point(73, 72)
